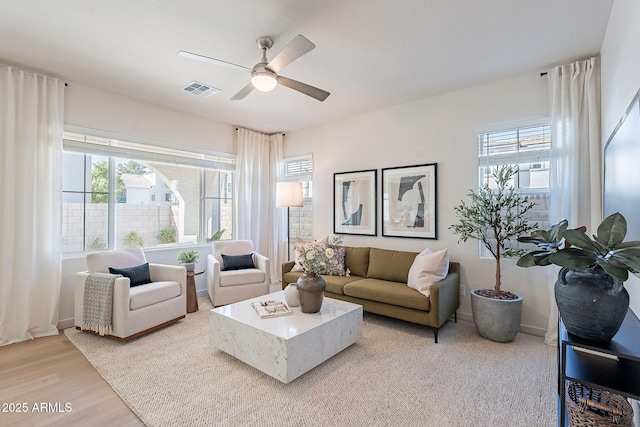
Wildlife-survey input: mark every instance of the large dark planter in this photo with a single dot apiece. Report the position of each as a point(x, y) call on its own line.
point(311, 290)
point(496, 319)
point(588, 305)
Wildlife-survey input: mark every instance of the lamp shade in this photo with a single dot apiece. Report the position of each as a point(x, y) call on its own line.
point(289, 195)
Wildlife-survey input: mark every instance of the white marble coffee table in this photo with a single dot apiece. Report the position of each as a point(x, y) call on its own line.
point(288, 346)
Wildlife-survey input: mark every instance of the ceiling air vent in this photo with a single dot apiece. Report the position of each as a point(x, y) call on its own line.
point(200, 89)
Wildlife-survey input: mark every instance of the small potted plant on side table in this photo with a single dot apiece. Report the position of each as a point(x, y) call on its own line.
point(188, 258)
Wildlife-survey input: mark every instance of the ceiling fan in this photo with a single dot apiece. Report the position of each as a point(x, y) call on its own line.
point(264, 75)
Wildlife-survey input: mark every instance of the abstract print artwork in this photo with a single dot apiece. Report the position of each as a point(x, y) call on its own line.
point(354, 202)
point(409, 206)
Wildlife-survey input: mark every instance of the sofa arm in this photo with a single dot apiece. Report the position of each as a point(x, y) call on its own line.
point(287, 267)
point(263, 263)
point(169, 273)
point(445, 298)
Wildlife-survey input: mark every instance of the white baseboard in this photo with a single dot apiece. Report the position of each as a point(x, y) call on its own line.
point(65, 323)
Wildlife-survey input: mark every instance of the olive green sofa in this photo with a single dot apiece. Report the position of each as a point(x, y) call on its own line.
point(378, 282)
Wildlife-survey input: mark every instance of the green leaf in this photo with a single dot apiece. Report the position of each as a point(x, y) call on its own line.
point(629, 244)
point(612, 230)
point(619, 273)
point(631, 261)
point(579, 239)
point(531, 259)
point(556, 230)
point(573, 258)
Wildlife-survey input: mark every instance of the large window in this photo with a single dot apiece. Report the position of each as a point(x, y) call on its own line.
point(528, 148)
point(120, 194)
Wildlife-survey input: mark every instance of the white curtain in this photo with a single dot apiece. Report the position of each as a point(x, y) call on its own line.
point(31, 122)
point(575, 182)
point(259, 166)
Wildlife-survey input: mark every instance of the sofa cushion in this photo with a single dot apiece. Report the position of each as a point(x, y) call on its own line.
point(428, 268)
point(334, 283)
point(383, 291)
point(357, 261)
point(152, 293)
point(237, 262)
point(241, 277)
point(138, 275)
point(386, 264)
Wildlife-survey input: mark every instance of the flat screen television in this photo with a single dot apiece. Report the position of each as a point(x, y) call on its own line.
point(622, 170)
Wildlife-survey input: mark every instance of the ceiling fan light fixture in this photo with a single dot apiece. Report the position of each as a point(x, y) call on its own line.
point(263, 81)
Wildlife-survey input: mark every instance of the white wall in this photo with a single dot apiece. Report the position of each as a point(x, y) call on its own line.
point(620, 56)
point(443, 130)
point(97, 109)
point(92, 108)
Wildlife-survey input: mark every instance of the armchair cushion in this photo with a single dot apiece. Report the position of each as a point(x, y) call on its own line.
point(237, 262)
point(138, 275)
point(153, 293)
point(242, 277)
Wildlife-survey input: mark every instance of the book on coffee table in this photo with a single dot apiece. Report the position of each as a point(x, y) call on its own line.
point(266, 309)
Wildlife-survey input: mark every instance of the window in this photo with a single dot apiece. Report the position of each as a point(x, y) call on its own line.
point(300, 169)
point(119, 194)
point(528, 148)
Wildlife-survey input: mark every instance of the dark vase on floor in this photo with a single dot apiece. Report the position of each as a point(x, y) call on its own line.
point(311, 289)
point(588, 303)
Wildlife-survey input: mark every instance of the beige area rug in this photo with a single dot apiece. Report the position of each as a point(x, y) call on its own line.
point(393, 376)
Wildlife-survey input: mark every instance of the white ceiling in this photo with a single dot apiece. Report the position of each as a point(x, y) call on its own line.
point(369, 54)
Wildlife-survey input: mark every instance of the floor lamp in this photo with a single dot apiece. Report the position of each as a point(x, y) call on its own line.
point(288, 195)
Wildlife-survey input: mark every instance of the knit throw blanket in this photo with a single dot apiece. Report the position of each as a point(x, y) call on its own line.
point(98, 303)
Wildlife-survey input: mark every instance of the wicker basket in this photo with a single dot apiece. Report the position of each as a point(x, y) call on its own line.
point(590, 407)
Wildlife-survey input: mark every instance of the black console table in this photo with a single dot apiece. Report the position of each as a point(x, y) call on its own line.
point(620, 376)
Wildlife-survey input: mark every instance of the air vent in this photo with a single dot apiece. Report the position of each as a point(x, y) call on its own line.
point(200, 89)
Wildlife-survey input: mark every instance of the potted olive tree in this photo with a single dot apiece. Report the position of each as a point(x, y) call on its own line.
point(188, 258)
point(496, 217)
point(590, 288)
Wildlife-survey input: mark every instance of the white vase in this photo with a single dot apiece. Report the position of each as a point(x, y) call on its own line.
point(291, 295)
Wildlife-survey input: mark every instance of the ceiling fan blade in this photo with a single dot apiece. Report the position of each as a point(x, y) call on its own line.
point(203, 58)
point(294, 50)
point(243, 92)
point(311, 91)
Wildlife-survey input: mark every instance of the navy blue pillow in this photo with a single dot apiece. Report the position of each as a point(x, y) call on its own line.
point(237, 262)
point(138, 275)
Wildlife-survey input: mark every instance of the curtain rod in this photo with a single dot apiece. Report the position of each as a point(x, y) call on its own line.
point(283, 134)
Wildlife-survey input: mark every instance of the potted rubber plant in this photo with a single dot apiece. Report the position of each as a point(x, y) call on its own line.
point(496, 217)
point(188, 258)
point(590, 289)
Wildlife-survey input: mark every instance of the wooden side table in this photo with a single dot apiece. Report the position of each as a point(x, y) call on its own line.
point(192, 296)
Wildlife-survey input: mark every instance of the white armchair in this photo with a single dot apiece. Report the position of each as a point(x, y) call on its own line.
point(229, 286)
point(140, 309)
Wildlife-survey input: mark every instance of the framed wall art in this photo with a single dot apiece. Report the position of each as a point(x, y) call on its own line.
point(355, 203)
point(409, 201)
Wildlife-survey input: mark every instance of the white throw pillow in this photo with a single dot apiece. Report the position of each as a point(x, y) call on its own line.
point(428, 268)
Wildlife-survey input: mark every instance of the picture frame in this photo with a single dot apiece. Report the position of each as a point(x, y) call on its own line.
point(409, 201)
point(355, 205)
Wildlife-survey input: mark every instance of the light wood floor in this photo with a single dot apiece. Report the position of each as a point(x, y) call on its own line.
point(51, 371)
